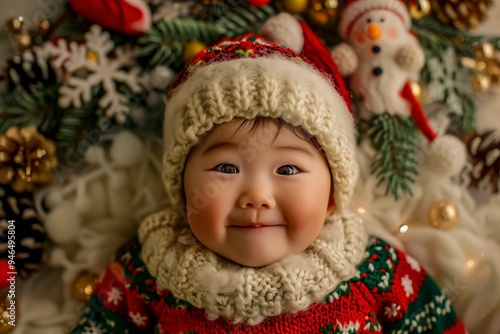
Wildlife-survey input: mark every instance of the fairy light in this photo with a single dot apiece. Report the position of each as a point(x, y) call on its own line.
point(470, 264)
point(361, 210)
point(403, 228)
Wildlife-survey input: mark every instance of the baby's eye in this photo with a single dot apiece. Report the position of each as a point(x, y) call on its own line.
point(287, 170)
point(226, 168)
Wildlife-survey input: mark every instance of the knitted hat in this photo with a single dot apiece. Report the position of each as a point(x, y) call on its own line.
point(252, 77)
point(354, 9)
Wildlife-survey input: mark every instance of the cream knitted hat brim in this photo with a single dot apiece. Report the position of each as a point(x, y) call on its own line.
point(269, 87)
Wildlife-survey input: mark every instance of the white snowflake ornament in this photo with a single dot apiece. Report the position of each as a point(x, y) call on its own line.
point(89, 65)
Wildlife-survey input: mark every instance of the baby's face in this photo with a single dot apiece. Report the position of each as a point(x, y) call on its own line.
point(255, 197)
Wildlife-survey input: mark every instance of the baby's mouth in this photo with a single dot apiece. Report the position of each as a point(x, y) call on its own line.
point(255, 225)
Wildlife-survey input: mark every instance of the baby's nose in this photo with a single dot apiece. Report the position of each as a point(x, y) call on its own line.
point(256, 195)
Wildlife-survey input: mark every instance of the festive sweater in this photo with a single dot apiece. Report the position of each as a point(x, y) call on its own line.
point(391, 293)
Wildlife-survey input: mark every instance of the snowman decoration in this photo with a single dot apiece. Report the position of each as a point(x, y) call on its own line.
point(382, 56)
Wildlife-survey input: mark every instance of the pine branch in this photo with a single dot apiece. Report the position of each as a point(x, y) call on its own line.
point(465, 122)
point(244, 19)
point(164, 43)
point(432, 31)
point(21, 108)
point(396, 141)
point(18, 108)
point(438, 41)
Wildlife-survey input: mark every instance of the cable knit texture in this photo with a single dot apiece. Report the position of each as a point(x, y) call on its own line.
point(245, 294)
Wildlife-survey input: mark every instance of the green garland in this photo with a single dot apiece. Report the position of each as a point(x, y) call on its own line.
point(396, 142)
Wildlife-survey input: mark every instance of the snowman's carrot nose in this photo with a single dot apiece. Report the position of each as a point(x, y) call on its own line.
point(374, 32)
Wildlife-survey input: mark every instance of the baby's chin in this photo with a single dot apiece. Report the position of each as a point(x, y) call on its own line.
point(258, 260)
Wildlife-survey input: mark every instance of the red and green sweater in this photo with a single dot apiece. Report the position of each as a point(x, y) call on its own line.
point(391, 294)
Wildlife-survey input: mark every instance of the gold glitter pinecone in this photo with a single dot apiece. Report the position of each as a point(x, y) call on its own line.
point(463, 14)
point(27, 158)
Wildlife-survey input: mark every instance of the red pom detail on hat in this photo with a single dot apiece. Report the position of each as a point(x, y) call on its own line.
point(131, 17)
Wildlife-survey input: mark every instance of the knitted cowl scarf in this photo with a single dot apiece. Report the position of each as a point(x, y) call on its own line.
point(270, 86)
point(193, 273)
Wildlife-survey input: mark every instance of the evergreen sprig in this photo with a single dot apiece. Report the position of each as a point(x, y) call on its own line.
point(39, 108)
point(18, 108)
point(466, 121)
point(395, 140)
point(165, 42)
point(434, 34)
point(435, 38)
point(244, 19)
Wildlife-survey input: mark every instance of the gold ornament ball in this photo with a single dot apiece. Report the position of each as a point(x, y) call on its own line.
point(192, 49)
point(84, 286)
point(416, 88)
point(419, 9)
point(23, 41)
point(420, 92)
point(5, 316)
point(323, 13)
point(443, 214)
point(14, 25)
point(42, 26)
point(295, 6)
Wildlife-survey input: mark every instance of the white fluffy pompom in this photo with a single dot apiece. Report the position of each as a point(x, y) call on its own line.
point(127, 149)
point(410, 57)
point(62, 223)
point(284, 29)
point(447, 156)
point(346, 58)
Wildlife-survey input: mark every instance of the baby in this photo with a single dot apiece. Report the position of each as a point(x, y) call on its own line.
point(259, 169)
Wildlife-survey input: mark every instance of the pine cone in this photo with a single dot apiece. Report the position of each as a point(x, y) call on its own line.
point(484, 149)
point(463, 14)
point(30, 236)
point(31, 70)
point(27, 158)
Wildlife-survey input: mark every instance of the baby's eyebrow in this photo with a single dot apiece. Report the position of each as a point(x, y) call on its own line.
point(295, 148)
point(219, 145)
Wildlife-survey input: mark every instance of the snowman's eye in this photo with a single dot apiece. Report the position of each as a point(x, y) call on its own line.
point(369, 20)
point(382, 19)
